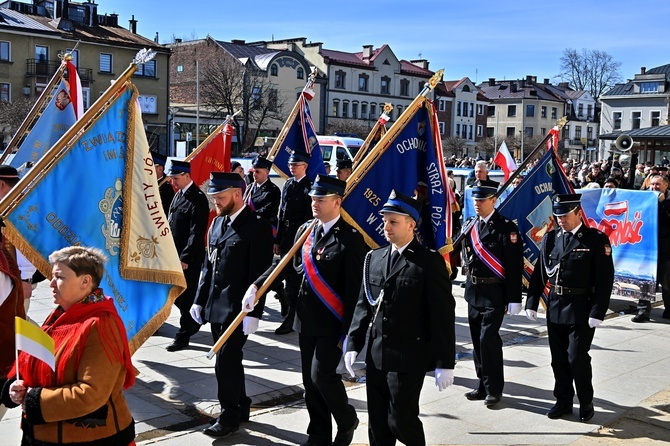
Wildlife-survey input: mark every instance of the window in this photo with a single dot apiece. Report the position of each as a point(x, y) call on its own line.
point(511, 131)
point(648, 87)
point(511, 111)
point(5, 53)
point(4, 92)
point(345, 109)
point(274, 70)
point(655, 118)
point(336, 107)
point(554, 112)
point(399, 110)
point(386, 82)
point(390, 114)
point(146, 70)
point(41, 54)
point(491, 110)
point(480, 131)
point(340, 78)
point(480, 109)
point(373, 111)
point(543, 111)
point(300, 73)
point(470, 131)
point(566, 132)
point(530, 110)
point(442, 105)
point(543, 131)
point(472, 110)
point(86, 97)
point(589, 111)
point(636, 117)
point(589, 132)
point(354, 109)
point(364, 110)
point(458, 130)
point(106, 63)
point(272, 99)
point(578, 132)
point(441, 125)
point(490, 131)
point(528, 131)
point(464, 131)
point(255, 97)
point(616, 120)
point(363, 82)
point(404, 87)
point(458, 108)
point(180, 68)
point(75, 56)
point(580, 110)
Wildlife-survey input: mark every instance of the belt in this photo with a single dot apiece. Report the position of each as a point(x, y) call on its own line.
point(484, 280)
point(562, 290)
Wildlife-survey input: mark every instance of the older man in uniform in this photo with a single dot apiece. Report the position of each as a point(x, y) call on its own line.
point(263, 196)
point(295, 209)
point(165, 189)
point(239, 250)
point(577, 262)
point(188, 215)
point(343, 169)
point(493, 254)
point(406, 302)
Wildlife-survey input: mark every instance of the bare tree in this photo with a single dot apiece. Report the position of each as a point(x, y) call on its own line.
point(592, 70)
point(454, 145)
point(229, 86)
point(12, 115)
point(348, 126)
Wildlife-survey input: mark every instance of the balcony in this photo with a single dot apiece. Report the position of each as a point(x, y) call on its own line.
point(35, 67)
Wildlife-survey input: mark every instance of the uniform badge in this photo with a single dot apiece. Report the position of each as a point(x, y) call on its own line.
point(318, 253)
point(513, 237)
point(608, 250)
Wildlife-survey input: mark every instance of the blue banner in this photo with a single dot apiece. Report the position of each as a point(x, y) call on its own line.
point(412, 165)
point(102, 192)
point(630, 220)
point(529, 206)
point(57, 117)
point(301, 137)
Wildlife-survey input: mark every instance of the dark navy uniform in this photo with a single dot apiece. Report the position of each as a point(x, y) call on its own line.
point(167, 194)
point(581, 277)
point(488, 295)
point(264, 200)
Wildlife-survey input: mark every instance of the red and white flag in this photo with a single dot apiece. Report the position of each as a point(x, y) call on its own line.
point(553, 141)
point(505, 160)
point(75, 89)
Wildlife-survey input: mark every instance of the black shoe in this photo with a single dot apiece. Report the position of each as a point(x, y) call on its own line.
point(345, 438)
point(220, 430)
point(666, 313)
point(286, 327)
point(177, 345)
point(475, 395)
point(491, 400)
point(642, 316)
point(586, 412)
point(558, 411)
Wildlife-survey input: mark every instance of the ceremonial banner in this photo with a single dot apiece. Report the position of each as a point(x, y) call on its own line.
point(630, 220)
point(529, 206)
point(101, 191)
point(411, 164)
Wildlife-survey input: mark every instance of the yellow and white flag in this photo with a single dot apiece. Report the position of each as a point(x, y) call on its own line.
point(31, 339)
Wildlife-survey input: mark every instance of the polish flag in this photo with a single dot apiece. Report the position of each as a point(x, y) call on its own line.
point(308, 92)
point(384, 118)
point(505, 160)
point(553, 141)
point(75, 89)
point(615, 209)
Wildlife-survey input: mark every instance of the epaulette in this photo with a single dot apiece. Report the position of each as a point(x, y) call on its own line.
point(469, 220)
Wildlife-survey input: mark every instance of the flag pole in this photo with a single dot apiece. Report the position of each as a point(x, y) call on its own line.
point(466, 229)
point(266, 284)
point(10, 200)
point(395, 129)
point(378, 127)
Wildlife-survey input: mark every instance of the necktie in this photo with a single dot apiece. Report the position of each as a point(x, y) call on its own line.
point(482, 224)
point(319, 233)
point(566, 240)
point(226, 225)
point(394, 258)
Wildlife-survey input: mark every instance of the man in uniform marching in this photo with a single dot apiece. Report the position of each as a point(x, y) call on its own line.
point(165, 189)
point(493, 254)
point(263, 196)
point(577, 262)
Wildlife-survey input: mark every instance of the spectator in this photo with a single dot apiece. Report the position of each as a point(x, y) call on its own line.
point(653, 170)
point(611, 183)
point(595, 176)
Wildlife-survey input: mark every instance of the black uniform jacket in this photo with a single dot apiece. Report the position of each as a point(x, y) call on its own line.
point(167, 194)
point(413, 330)
point(265, 199)
point(501, 237)
point(234, 260)
point(188, 216)
point(586, 263)
point(295, 209)
point(338, 257)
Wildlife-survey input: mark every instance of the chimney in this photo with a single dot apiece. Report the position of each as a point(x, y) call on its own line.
point(177, 40)
point(367, 52)
point(492, 82)
point(237, 42)
point(133, 25)
point(156, 38)
point(546, 81)
point(421, 63)
point(530, 79)
point(643, 70)
point(522, 83)
point(512, 87)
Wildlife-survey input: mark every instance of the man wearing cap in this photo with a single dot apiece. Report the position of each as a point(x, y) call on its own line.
point(188, 216)
point(577, 262)
point(295, 209)
point(330, 266)
point(263, 196)
point(165, 189)
point(493, 254)
point(239, 249)
point(343, 169)
point(406, 302)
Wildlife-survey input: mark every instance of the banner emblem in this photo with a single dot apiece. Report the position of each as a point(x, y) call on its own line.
point(112, 207)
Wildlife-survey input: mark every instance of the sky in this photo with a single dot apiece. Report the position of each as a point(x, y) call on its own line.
point(476, 39)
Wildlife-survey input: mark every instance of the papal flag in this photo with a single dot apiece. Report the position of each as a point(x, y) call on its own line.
point(97, 187)
point(32, 340)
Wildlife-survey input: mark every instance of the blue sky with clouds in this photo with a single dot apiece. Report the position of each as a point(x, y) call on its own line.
point(478, 39)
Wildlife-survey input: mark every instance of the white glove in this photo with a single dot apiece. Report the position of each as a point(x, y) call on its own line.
point(513, 308)
point(349, 359)
point(249, 299)
point(250, 325)
point(344, 343)
point(531, 314)
point(444, 378)
point(593, 323)
point(196, 313)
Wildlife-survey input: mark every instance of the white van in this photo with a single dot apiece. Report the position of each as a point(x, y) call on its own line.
point(334, 148)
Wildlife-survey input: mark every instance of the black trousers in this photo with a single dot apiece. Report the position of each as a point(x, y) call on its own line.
point(393, 407)
point(570, 361)
point(187, 326)
point(663, 278)
point(324, 391)
point(230, 376)
point(488, 358)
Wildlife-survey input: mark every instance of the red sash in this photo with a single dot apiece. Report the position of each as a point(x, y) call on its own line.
point(484, 254)
point(322, 290)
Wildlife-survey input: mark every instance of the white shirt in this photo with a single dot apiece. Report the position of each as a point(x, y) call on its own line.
point(232, 217)
point(329, 224)
point(400, 249)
